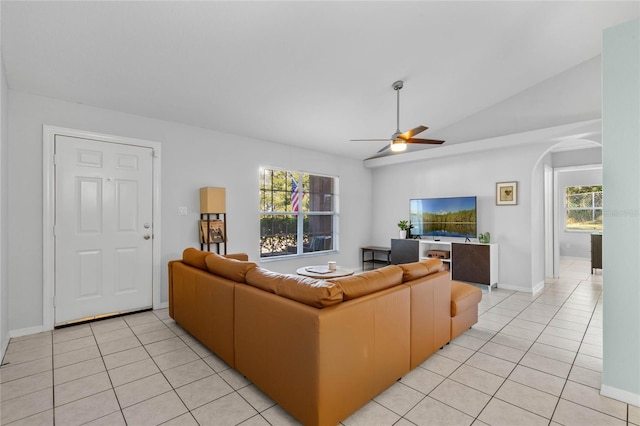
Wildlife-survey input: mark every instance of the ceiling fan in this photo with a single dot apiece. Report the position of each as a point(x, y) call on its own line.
point(400, 140)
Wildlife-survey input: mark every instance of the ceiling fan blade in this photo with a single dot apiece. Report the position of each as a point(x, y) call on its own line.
point(384, 148)
point(425, 141)
point(410, 133)
point(375, 140)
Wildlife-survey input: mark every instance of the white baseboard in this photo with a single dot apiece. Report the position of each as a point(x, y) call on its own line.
point(575, 258)
point(162, 305)
point(620, 395)
point(538, 287)
point(504, 286)
point(3, 347)
point(26, 331)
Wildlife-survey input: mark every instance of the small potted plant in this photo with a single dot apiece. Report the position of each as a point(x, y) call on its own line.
point(404, 226)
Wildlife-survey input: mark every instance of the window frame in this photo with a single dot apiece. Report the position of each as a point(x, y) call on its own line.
point(593, 208)
point(300, 215)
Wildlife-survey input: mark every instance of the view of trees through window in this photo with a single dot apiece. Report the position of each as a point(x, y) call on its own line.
point(584, 208)
point(297, 212)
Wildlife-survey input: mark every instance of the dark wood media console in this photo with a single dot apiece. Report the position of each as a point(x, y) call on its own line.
point(470, 262)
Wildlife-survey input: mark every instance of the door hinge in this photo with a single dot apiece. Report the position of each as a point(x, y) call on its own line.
point(154, 154)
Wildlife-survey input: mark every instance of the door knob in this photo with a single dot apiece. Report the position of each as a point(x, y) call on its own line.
point(147, 236)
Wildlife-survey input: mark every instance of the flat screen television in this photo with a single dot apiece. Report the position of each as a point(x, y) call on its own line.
point(444, 217)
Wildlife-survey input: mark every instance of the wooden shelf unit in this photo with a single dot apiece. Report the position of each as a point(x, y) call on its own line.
point(209, 218)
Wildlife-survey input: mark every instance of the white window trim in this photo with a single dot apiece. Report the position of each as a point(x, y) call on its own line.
point(335, 214)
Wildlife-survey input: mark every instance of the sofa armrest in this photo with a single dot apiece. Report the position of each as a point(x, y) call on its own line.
point(202, 303)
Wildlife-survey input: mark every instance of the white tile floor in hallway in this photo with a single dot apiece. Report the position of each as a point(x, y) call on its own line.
point(530, 360)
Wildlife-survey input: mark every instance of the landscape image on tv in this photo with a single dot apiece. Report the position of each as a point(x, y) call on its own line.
point(444, 217)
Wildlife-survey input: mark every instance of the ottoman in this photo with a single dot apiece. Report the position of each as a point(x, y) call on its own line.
point(464, 307)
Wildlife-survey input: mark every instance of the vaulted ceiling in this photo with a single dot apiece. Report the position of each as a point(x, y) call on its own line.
point(308, 74)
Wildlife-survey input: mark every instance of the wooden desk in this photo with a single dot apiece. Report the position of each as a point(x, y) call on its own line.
point(386, 251)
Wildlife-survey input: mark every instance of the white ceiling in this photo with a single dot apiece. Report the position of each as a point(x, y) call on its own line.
point(310, 74)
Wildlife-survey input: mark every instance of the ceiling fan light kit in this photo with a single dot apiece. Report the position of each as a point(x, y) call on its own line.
point(398, 146)
point(399, 140)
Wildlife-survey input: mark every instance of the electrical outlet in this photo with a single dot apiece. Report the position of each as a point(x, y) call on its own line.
point(183, 211)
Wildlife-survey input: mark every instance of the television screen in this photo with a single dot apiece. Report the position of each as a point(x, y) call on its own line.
point(444, 217)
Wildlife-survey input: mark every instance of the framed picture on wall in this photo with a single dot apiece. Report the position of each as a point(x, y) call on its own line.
point(507, 193)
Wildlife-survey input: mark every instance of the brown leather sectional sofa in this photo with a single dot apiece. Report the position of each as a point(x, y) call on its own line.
point(320, 348)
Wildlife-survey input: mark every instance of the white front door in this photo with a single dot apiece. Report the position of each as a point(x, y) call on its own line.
point(103, 228)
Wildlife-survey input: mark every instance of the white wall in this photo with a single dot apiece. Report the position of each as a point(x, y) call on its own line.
point(621, 237)
point(4, 286)
point(191, 158)
point(574, 243)
point(555, 101)
point(472, 174)
point(579, 157)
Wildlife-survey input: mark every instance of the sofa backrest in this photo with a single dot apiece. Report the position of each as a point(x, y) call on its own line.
point(413, 271)
point(368, 282)
point(232, 269)
point(310, 291)
point(232, 266)
point(318, 293)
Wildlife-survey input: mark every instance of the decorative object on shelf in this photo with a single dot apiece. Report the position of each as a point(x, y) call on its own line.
point(215, 233)
point(213, 230)
point(404, 226)
point(506, 193)
point(484, 238)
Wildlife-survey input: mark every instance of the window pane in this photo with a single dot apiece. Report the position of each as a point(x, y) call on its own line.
point(584, 208)
point(278, 235)
point(318, 232)
point(283, 194)
point(584, 219)
point(580, 200)
point(318, 193)
point(276, 190)
point(597, 199)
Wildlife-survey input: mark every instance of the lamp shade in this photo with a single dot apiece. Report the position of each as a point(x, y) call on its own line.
point(213, 200)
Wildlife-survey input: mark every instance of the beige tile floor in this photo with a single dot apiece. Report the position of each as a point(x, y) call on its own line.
point(530, 360)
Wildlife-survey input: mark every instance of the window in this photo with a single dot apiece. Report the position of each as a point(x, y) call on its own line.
point(298, 213)
point(584, 208)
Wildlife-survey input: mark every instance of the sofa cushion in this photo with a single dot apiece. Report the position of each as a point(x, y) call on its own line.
point(463, 297)
point(415, 270)
point(263, 279)
point(194, 257)
point(231, 269)
point(310, 291)
point(355, 286)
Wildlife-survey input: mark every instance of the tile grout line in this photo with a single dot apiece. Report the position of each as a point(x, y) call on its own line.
point(579, 292)
point(525, 352)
